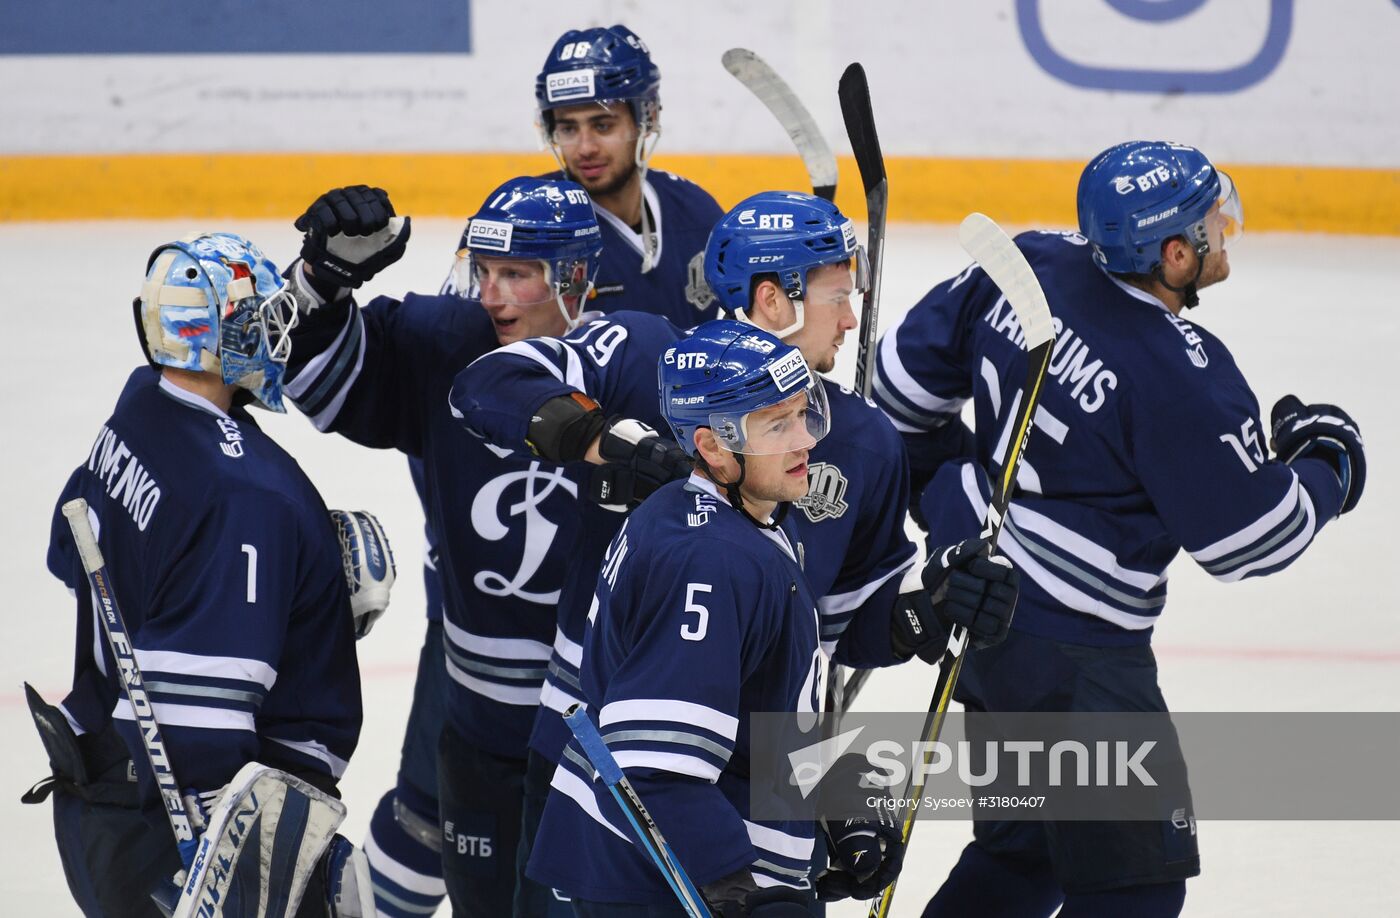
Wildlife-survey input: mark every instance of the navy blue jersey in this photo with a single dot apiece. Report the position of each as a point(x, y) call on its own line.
point(432, 583)
point(701, 619)
point(380, 375)
point(1147, 439)
point(228, 574)
point(682, 215)
point(851, 520)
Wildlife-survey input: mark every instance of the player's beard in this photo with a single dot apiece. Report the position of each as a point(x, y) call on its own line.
point(611, 186)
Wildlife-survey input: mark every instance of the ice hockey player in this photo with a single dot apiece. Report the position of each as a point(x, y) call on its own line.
point(585, 397)
point(1147, 441)
point(230, 578)
point(599, 111)
point(703, 616)
point(380, 375)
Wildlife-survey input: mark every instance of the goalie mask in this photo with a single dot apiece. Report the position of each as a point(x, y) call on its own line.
point(214, 303)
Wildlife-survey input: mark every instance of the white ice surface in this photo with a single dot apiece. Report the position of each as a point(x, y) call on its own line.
point(1306, 314)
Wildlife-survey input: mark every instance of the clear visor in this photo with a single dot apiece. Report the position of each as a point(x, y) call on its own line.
point(793, 424)
point(520, 282)
point(250, 326)
point(571, 133)
point(1226, 223)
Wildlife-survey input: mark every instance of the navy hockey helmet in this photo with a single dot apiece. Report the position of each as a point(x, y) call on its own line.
point(213, 303)
point(787, 233)
point(727, 370)
point(546, 220)
point(1135, 196)
point(600, 65)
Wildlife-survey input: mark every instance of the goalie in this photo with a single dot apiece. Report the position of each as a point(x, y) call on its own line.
point(231, 577)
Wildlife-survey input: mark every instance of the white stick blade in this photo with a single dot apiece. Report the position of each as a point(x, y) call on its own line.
point(998, 255)
point(773, 91)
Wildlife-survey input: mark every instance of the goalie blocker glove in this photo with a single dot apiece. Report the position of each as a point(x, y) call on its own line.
point(351, 234)
point(1323, 432)
point(369, 565)
point(962, 586)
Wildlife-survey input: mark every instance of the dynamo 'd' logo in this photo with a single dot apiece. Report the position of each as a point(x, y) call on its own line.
point(537, 485)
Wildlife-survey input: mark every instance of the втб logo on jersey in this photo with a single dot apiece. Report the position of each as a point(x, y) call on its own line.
point(826, 493)
point(1195, 349)
point(233, 438)
point(537, 484)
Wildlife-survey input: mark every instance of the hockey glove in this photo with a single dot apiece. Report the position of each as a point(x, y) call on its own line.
point(369, 565)
point(737, 896)
point(1323, 432)
point(962, 586)
point(637, 461)
point(351, 234)
point(866, 856)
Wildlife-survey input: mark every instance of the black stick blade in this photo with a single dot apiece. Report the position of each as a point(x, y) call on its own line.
point(854, 93)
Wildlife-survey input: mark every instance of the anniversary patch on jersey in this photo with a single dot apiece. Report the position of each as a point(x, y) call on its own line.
point(697, 289)
point(826, 493)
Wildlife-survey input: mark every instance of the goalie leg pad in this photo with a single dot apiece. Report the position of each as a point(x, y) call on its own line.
point(265, 840)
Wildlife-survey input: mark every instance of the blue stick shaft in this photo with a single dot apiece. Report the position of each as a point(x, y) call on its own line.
point(642, 825)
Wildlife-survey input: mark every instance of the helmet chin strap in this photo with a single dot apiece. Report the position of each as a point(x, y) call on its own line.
point(736, 498)
point(646, 128)
point(798, 308)
point(1187, 291)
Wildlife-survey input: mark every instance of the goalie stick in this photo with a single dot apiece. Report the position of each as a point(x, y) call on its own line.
point(650, 837)
point(854, 92)
point(114, 627)
point(999, 256)
point(763, 81)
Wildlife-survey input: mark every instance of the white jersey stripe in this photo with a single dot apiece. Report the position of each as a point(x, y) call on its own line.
point(573, 787)
point(836, 603)
point(315, 750)
point(778, 842)
point(190, 715)
point(408, 878)
point(241, 669)
point(1293, 547)
point(571, 652)
point(669, 709)
point(1255, 530)
point(523, 695)
point(905, 384)
point(673, 762)
point(497, 647)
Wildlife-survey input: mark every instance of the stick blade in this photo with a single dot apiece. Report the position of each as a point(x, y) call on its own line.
point(854, 93)
point(777, 96)
point(1004, 263)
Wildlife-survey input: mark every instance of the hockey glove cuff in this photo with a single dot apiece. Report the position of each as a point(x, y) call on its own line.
point(867, 856)
point(1325, 432)
point(563, 428)
point(351, 234)
point(737, 896)
point(637, 461)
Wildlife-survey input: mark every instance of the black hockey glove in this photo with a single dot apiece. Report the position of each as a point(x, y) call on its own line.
point(866, 856)
point(737, 896)
point(351, 234)
point(637, 461)
point(962, 586)
point(1323, 432)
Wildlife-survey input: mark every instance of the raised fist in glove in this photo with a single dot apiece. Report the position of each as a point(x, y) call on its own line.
point(866, 856)
point(369, 565)
point(351, 235)
point(964, 586)
point(1323, 432)
point(636, 461)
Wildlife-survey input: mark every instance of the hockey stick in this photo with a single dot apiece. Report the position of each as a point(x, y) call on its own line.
point(854, 92)
point(181, 823)
point(761, 80)
point(642, 825)
point(998, 255)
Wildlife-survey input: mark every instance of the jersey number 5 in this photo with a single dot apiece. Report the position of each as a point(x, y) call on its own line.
point(696, 631)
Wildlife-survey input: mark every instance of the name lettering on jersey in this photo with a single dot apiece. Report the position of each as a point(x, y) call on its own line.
point(612, 561)
point(538, 484)
point(697, 289)
point(233, 438)
point(1195, 348)
point(704, 506)
point(1088, 381)
point(572, 84)
point(124, 477)
point(826, 493)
